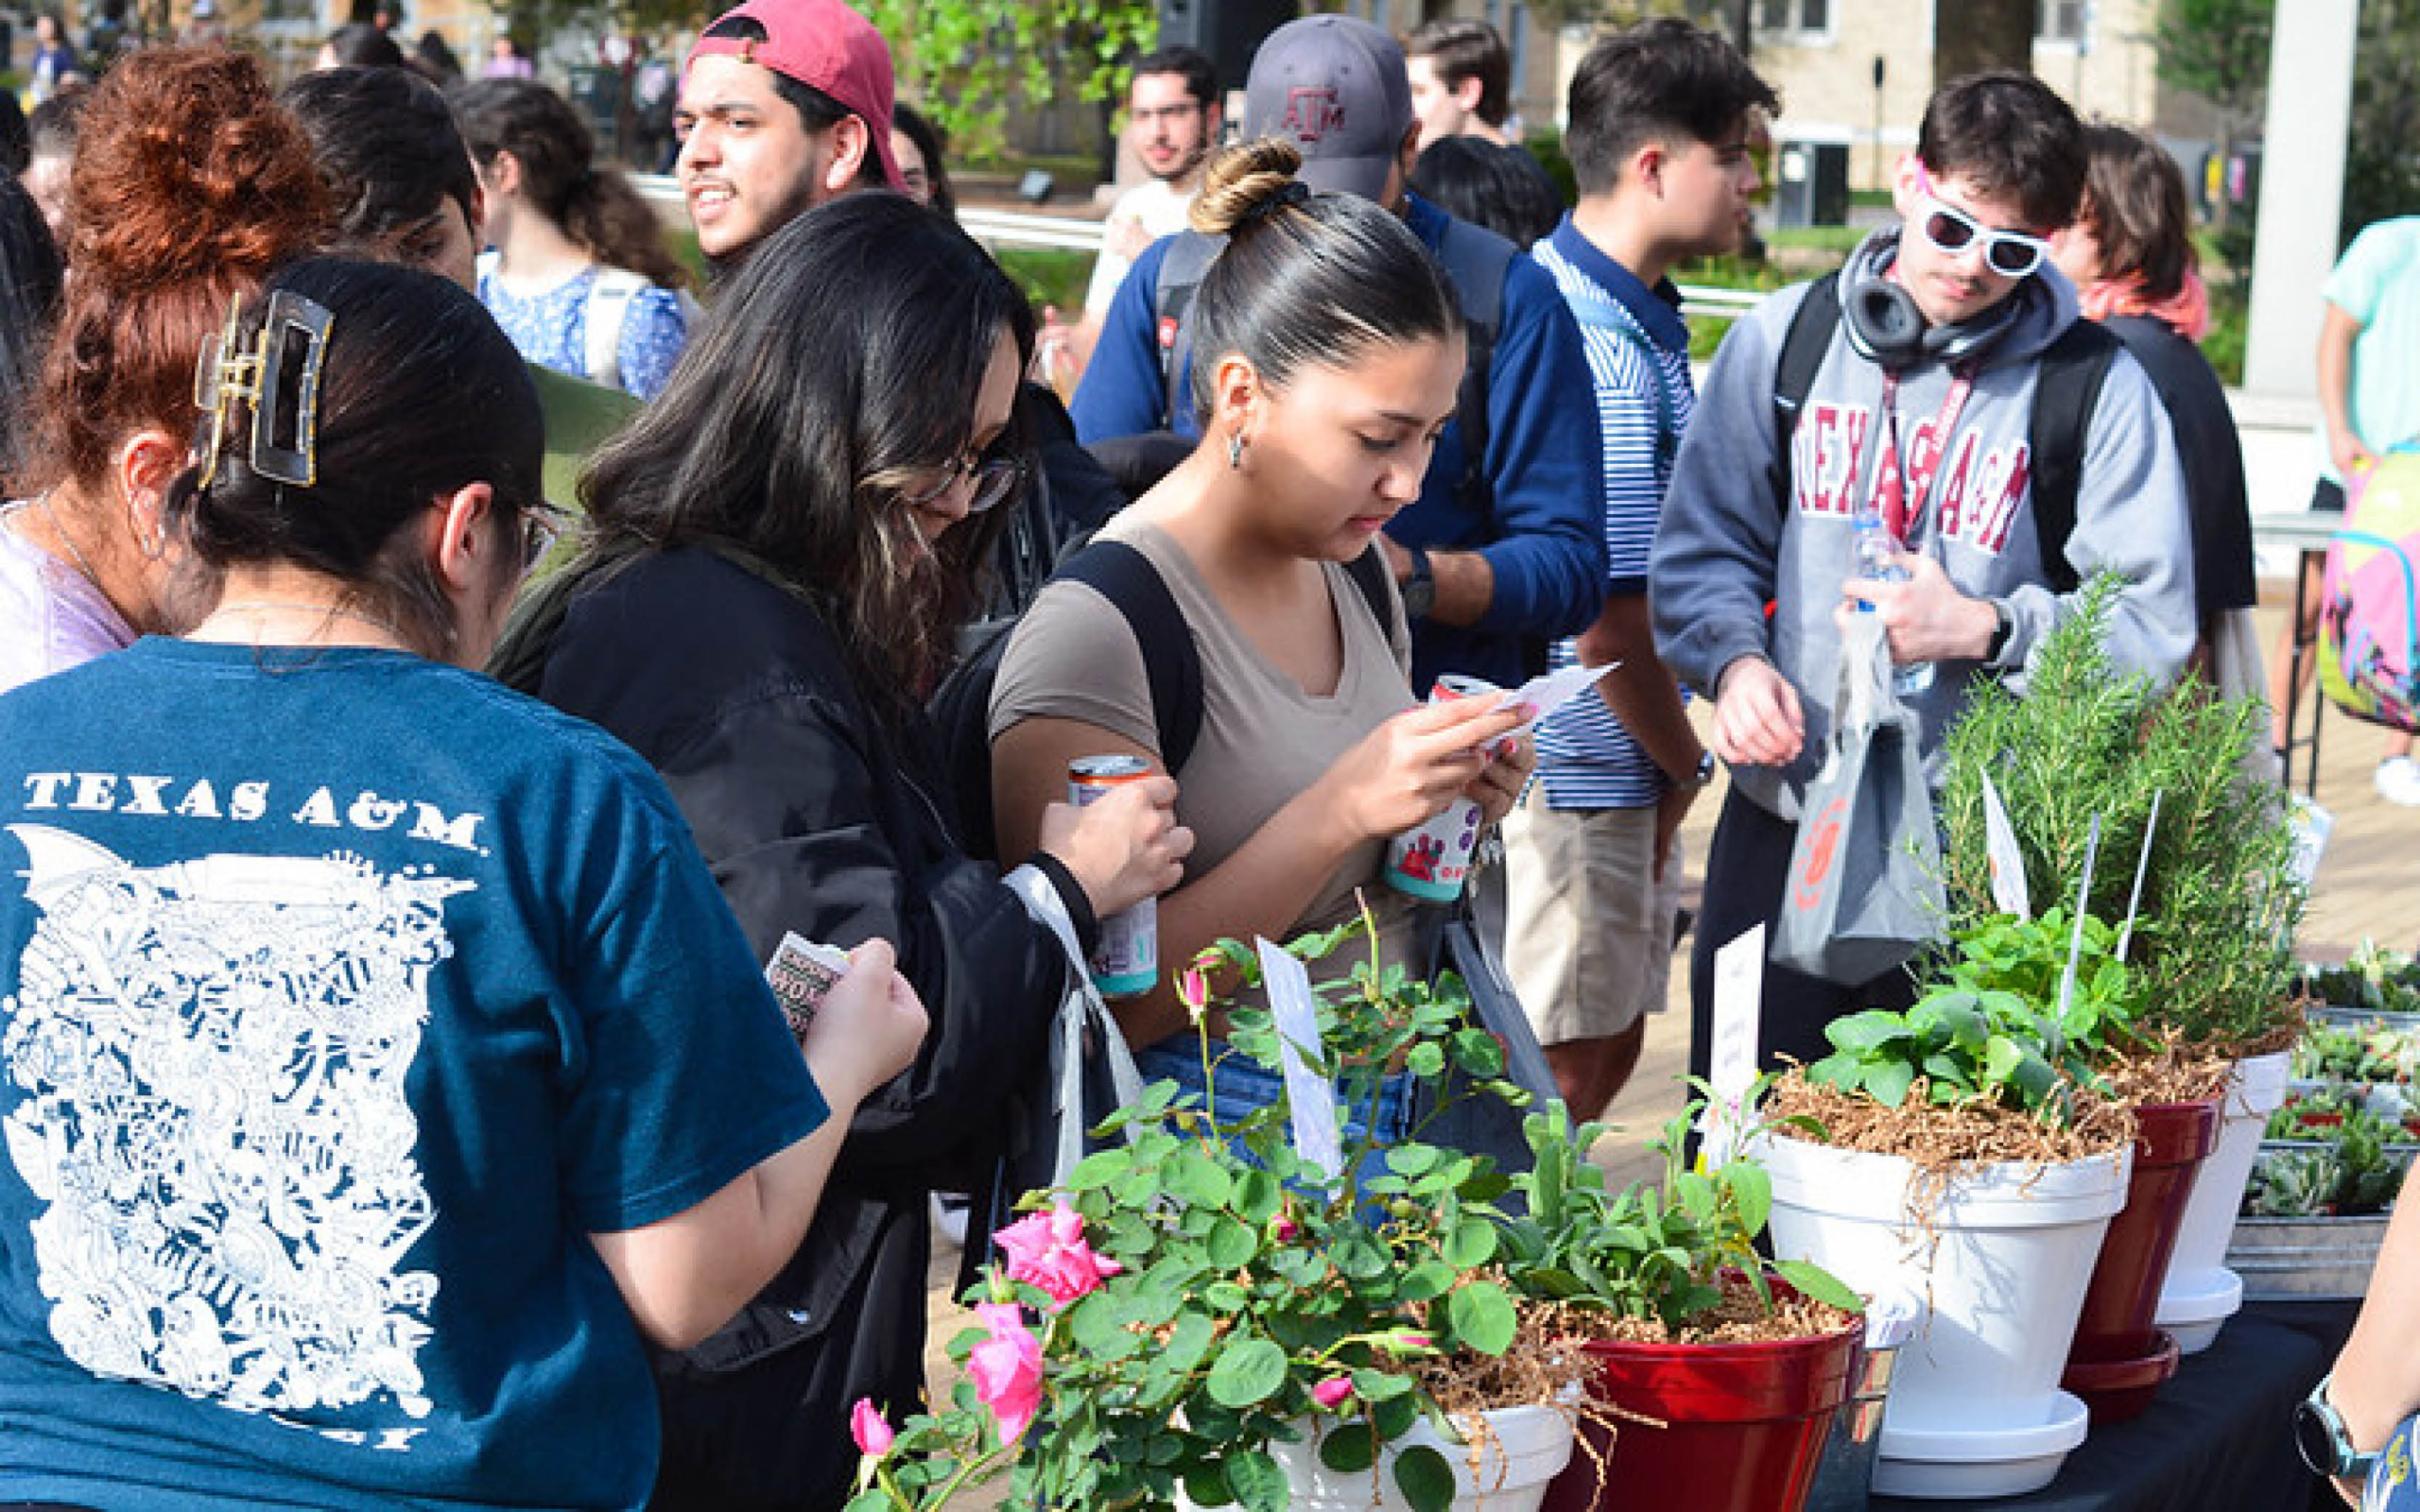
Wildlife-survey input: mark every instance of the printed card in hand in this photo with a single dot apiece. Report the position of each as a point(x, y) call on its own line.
point(801, 972)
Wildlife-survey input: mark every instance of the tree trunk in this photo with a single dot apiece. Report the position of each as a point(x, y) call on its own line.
point(1971, 35)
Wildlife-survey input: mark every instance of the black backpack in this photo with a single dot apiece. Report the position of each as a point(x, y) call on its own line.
point(962, 706)
point(1476, 260)
point(2064, 393)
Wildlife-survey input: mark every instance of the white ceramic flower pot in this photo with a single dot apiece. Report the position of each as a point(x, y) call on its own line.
point(1505, 1472)
point(1996, 1263)
point(2200, 1294)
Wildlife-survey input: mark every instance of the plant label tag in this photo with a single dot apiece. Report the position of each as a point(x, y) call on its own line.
point(1731, 1070)
point(1311, 1098)
point(2000, 852)
point(2313, 825)
point(800, 974)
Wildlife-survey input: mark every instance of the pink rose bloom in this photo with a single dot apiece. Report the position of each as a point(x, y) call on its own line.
point(869, 1429)
point(1193, 990)
point(1332, 1392)
point(1007, 1368)
point(1049, 1250)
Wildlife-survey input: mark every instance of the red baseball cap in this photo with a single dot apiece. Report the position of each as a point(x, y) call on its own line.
point(825, 45)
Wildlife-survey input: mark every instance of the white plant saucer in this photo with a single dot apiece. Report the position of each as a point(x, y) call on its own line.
point(1973, 1463)
point(2195, 1307)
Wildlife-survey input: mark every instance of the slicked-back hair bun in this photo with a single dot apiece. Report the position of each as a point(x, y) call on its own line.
point(1244, 184)
point(1306, 279)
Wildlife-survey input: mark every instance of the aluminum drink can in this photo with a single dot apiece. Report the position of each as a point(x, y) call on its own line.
point(1126, 960)
point(1433, 861)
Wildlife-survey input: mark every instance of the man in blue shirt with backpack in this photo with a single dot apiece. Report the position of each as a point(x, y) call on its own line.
point(1504, 550)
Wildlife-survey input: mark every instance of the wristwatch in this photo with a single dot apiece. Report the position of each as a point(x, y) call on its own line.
point(1704, 773)
point(1420, 589)
point(2319, 1434)
point(2003, 622)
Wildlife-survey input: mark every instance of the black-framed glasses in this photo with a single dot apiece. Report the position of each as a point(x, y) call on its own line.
point(1951, 230)
point(995, 480)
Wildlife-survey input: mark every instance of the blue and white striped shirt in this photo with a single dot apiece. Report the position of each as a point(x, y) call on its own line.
point(1638, 358)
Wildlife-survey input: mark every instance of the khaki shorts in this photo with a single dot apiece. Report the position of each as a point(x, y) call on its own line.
point(1587, 929)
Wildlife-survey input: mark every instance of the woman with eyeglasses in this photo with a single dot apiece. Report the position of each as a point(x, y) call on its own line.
point(381, 1069)
point(783, 546)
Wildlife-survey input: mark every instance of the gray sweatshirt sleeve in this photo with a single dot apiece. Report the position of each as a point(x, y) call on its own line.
point(2131, 520)
point(1713, 567)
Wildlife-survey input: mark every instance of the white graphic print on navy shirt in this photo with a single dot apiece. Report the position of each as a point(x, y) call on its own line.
point(214, 1056)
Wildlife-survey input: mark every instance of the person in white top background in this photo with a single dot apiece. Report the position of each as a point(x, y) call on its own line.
point(1173, 122)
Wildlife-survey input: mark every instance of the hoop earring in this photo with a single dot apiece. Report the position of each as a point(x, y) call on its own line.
point(1236, 451)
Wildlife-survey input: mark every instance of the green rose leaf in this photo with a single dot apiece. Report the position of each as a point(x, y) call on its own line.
point(1231, 1242)
point(1249, 1370)
point(1350, 1448)
point(1256, 1480)
point(1471, 1244)
point(1257, 1196)
point(1482, 1317)
point(1426, 1480)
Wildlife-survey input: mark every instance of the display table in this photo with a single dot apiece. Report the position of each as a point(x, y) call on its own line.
point(2218, 1438)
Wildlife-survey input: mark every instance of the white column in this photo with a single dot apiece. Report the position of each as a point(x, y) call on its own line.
point(2301, 190)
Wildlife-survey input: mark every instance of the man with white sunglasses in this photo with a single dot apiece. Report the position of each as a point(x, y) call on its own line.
point(1909, 388)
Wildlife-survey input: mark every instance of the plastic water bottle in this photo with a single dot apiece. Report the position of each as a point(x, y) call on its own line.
point(1873, 561)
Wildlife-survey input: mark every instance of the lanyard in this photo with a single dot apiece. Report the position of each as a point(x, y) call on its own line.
point(1905, 487)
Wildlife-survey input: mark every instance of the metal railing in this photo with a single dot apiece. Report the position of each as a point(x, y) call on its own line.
point(1071, 233)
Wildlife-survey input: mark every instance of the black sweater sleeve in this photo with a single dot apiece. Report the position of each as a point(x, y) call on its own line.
point(736, 694)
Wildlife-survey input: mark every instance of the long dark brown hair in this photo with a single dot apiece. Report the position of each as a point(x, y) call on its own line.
point(846, 352)
point(2134, 202)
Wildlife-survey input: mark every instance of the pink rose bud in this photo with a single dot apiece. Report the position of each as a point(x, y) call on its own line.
point(1283, 1229)
point(1332, 1392)
point(869, 1429)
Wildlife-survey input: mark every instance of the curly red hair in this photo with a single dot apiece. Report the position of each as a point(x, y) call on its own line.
point(190, 186)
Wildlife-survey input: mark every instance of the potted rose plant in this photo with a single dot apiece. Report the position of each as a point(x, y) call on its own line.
point(1201, 1318)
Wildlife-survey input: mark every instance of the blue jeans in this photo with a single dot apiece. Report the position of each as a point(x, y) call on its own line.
point(1245, 1086)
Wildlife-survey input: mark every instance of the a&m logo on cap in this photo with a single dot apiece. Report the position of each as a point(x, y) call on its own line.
point(1311, 113)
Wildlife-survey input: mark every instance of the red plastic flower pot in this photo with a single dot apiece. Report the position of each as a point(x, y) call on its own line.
point(2171, 1142)
point(1745, 1425)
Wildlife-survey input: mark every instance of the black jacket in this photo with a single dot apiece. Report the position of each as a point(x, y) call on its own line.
point(2207, 450)
point(815, 820)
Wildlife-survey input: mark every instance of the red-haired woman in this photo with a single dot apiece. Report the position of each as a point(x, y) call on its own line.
point(189, 186)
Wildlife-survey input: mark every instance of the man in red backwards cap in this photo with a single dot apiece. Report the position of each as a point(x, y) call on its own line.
point(785, 104)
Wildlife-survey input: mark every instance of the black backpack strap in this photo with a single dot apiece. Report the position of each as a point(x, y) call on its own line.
point(1477, 261)
point(1189, 256)
point(2065, 389)
point(1371, 574)
point(1171, 661)
point(1803, 348)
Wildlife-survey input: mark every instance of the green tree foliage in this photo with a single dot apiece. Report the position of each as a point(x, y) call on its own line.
point(968, 63)
point(2381, 170)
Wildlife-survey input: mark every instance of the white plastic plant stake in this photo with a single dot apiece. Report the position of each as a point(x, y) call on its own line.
point(2075, 940)
point(2003, 858)
point(2142, 865)
point(1308, 1093)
